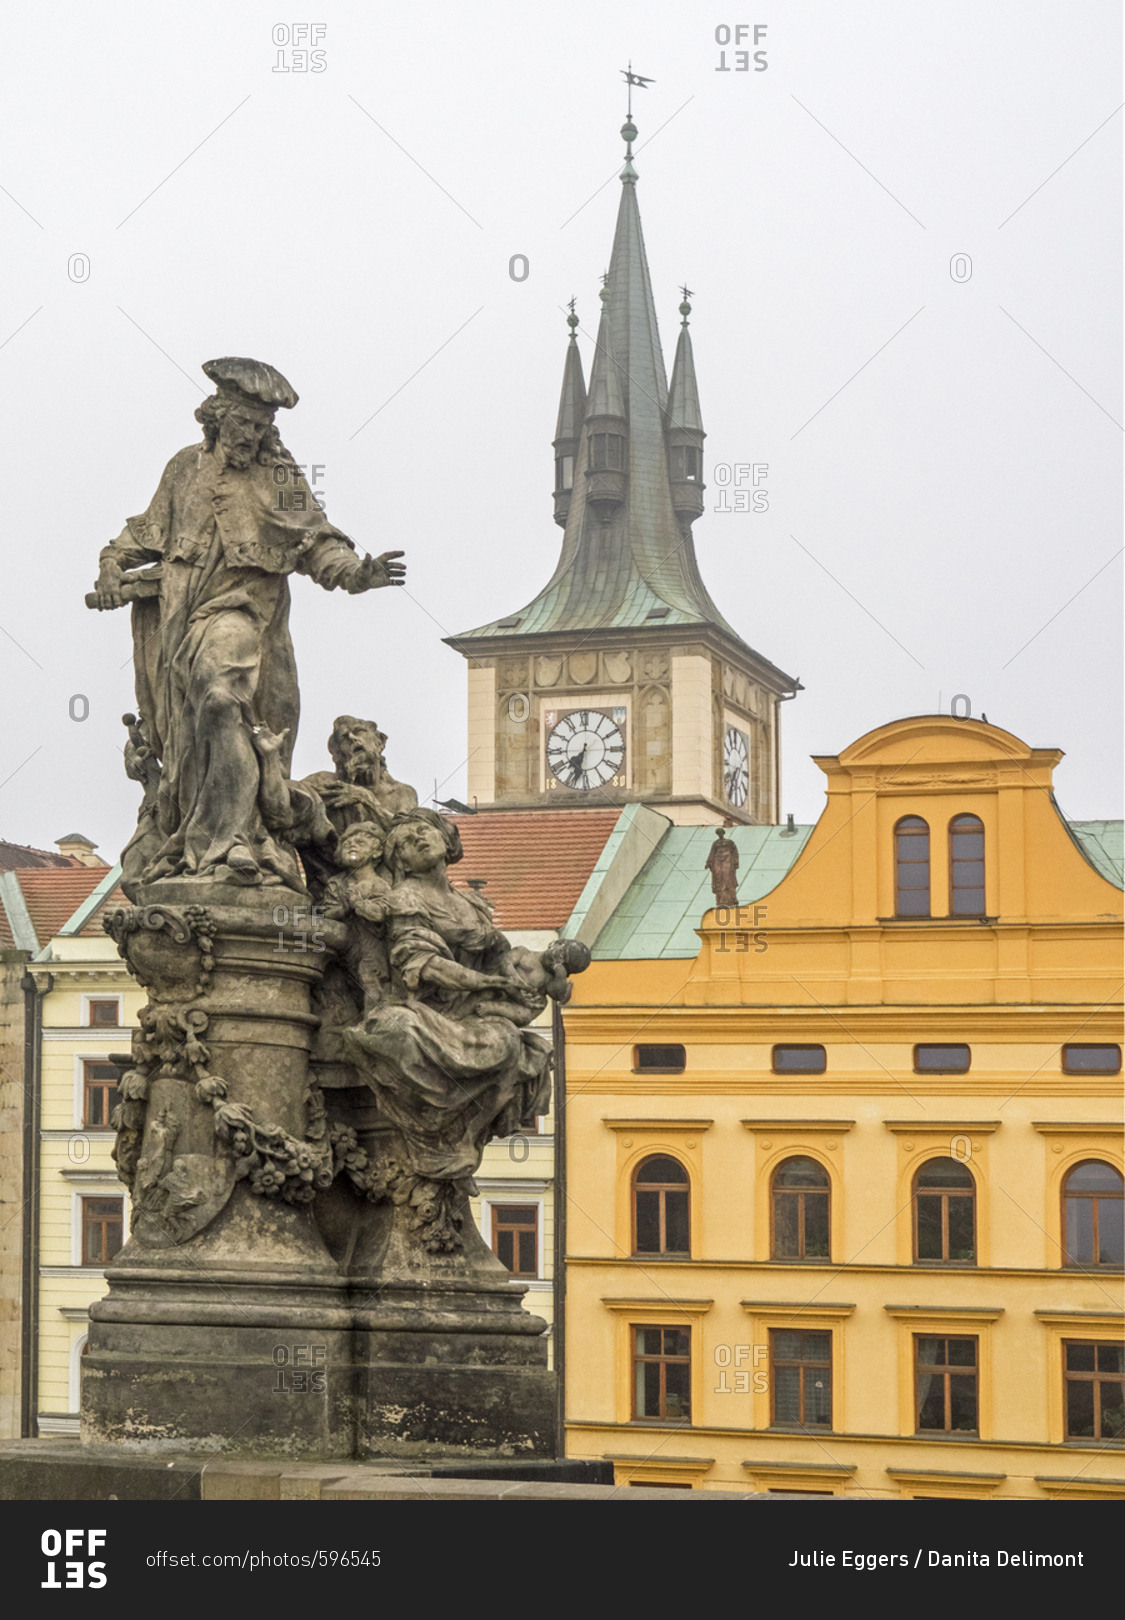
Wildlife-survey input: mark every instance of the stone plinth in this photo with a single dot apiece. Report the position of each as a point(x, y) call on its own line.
point(226, 1322)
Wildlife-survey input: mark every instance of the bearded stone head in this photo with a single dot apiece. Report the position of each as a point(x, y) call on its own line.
point(356, 748)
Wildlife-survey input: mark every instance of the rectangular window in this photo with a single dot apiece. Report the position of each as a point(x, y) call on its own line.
point(515, 1237)
point(1088, 1059)
point(104, 1013)
point(1095, 1391)
point(945, 1384)
point(99, 1093)
point(102, 1227)
point(799, 1060)
point(934, 1059)
point(662, 1373)
point(659, 1059)
point(800, 1379)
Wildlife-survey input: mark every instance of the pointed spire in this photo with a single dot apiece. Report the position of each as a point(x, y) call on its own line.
point(628, 560)
point(607, 425)
point(683, 391)
point(684, 429)
point(568, 428)
point(605, 397)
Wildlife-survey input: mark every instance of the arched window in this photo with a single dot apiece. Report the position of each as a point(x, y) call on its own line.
point(966, 867)
point(1094, 1215)
point(799, 1194)
point(661, 1192)
point(944, 1213)
point(912, 867)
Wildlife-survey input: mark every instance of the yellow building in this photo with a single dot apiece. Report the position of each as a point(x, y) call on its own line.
point(845, 1165)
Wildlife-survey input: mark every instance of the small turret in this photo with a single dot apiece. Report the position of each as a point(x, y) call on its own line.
point(684, 430)
point(607, 426)
point(568, 429)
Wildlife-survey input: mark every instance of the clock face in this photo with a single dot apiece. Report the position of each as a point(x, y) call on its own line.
point(586, 749)
point(736, 766)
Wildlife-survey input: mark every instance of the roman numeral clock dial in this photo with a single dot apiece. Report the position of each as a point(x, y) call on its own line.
point(736, 766)
point(585, 750)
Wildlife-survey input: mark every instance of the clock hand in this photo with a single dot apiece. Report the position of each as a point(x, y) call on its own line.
point(579, 766)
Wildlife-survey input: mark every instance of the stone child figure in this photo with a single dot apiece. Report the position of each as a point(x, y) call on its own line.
point(213, 660)
point(360, 895)
point(722, 863)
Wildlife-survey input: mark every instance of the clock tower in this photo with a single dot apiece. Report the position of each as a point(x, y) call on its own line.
point(622, 682)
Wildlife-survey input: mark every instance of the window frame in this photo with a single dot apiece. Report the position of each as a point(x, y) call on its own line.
point(498, 1206)
point(922, 1046)
point(89, 996)
point(659, 1068)
point(1088, 1046)
point(801, 1425)
point(946, 1371)
point(85, 1199)
point(1069, 1263)
point(1096, 1377)
point(664, 1360)
point(798, 1046)
point(910, 826)
point(944, 1194)
point(966, 817)
point(799, 1194)
point(87, 1082)
point(662, 1189)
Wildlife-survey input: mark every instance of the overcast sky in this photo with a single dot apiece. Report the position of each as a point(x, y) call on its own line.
point(943, 454)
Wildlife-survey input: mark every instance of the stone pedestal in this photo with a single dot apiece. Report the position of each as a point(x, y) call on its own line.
point(447, 1360)
point(226, 1323)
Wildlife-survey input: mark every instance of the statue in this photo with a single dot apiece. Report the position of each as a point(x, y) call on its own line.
point(215, 675)
point(722, 863)
point(332, 1032)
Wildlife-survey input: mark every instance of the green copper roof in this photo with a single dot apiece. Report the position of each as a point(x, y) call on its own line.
point(1103, 845)
point(663, 906)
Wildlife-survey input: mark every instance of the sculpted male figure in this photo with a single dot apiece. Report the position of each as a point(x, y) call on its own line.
point(215, 673)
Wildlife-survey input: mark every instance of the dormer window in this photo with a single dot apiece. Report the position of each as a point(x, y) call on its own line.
point(564, 472)
point(607, 452)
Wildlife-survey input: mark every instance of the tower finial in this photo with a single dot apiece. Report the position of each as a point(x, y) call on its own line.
point(628, 128)
point(572, 321)
point(685, 307)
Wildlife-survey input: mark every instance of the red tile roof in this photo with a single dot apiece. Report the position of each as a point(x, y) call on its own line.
point(54, 895)
point(535, 862)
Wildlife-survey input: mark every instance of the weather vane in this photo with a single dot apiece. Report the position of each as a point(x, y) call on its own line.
point(686, 293)
point(632, 79)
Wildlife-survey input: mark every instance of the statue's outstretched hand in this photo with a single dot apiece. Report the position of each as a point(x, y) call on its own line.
point(375, 572)
point(107, 589)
